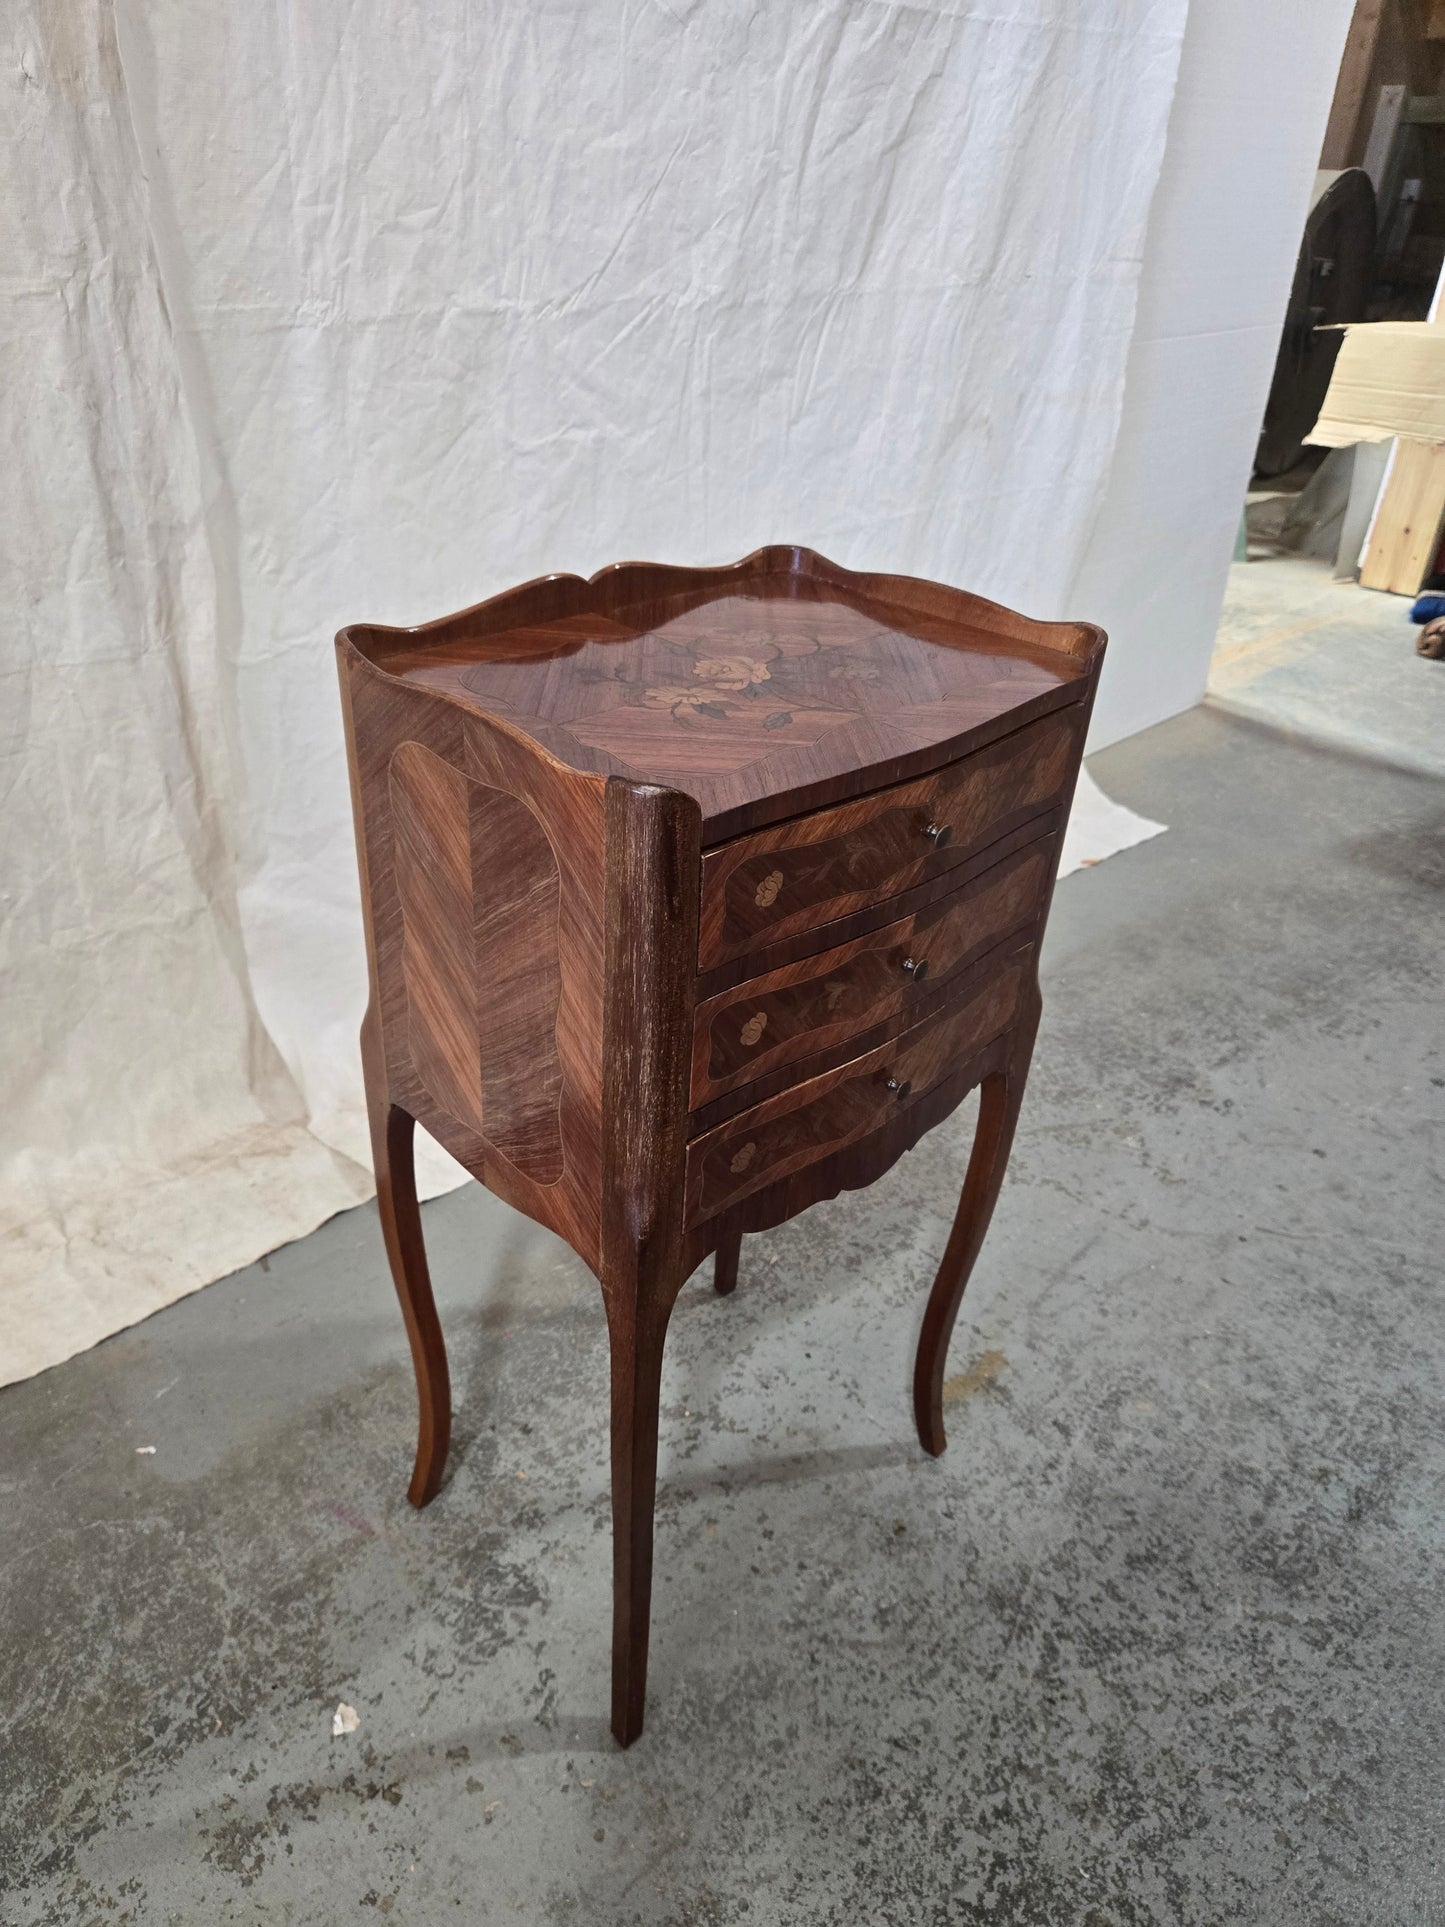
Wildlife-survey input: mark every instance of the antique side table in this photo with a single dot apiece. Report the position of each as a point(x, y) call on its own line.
point(692, 897)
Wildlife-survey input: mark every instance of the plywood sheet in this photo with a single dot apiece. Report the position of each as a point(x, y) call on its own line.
point(1406, 534)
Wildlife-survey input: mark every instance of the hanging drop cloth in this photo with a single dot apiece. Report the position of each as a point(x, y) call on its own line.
point(312, 315)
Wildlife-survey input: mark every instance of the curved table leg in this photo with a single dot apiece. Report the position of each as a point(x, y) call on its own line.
point(725, 1264)
point(636, 1330)
point(392, 1140)
point(1000, 1095)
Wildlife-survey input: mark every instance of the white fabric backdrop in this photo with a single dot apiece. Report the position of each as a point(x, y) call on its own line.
point(1255, 82)
point(323, 314)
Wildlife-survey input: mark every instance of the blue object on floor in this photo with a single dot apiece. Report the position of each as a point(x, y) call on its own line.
point(1427, 607)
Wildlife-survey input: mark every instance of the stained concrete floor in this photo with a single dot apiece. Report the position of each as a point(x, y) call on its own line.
point(1161, 1639)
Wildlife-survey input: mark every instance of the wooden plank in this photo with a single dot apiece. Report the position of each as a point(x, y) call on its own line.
point(1435, 21)
point(1402, 545)
point(1354, 80)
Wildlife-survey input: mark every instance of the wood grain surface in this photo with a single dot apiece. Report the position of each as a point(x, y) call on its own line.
point(559, 1179)
point(651, 937)
point(860, 1163)
point(818, 867)
point(777, 684)
point(479, 888)
point(823, 1114)
point(789, 1013)
point(774, 953)
point(432, 839)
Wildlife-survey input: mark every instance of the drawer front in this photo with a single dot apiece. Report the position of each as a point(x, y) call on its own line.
point(824, 999)
point(815, 868)
point(824, 1114)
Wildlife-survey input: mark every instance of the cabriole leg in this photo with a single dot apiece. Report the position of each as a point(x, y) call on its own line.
point(636, 1342)
point(725, 1265)
point(392, 1139)
point(1000, 1096)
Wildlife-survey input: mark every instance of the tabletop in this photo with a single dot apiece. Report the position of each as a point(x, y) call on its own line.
point(778, 684)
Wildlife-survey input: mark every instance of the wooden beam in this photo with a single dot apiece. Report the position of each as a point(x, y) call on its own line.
point(1403, 543)
point(1380, 148)
point(1421, 57)
point(1350, 89)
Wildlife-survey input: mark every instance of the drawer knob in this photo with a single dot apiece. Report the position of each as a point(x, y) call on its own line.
point(916, 968)
point(900, 1087)
point(939, 835)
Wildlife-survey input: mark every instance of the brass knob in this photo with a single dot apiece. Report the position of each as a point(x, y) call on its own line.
point(900, 1087)
point(916, 968)
point(939, 835)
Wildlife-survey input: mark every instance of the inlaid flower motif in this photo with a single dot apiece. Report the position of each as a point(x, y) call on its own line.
point(780, 641)
point(686, 702)
point(731, 672)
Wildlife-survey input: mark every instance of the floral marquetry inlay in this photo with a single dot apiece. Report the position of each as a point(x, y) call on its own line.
point(730, 707)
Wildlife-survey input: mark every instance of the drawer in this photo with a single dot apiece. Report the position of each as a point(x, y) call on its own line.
point(836, 994)
point(815, 868)
point(824, 1114)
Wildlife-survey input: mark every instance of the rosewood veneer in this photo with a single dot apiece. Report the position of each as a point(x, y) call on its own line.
point(693, 897)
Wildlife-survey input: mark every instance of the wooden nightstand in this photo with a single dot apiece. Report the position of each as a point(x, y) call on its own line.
point(694, 896)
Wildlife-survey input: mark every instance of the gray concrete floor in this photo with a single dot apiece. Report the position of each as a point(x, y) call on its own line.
point(1161, 1639)
point(1328, 661)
